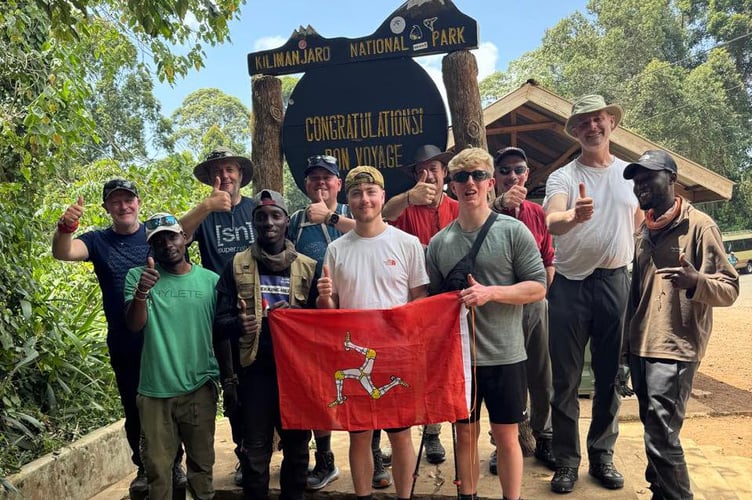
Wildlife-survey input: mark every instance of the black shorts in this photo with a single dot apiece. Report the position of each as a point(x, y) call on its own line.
point(388, 431)
point(504, 390)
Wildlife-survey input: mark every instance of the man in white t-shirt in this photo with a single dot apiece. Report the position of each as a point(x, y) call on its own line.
point(592, 213)
point(374, 266)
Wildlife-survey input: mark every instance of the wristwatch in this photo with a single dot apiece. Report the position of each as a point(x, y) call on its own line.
point(333, 219)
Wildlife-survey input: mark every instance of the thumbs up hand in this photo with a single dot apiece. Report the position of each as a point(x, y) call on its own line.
point(218, 200)
point(583, 207)
point(324, 284)
point(248, 323)
point(149, 276)
point(73, 213)
point(475, 295)
point(423, 193)
point(684, 277)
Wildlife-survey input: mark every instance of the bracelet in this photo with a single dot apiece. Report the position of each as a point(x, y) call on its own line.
point(408, 198)
point(230, 381)
point(139, 299)
point(64, 228)
point(139, 289)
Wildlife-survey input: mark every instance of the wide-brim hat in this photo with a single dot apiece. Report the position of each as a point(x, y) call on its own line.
point(201, 171)
point(428, 152)
point(591, 104)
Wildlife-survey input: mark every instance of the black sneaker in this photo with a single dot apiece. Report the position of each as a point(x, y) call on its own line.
point(139, 483)
point(435, 453)
point(178, 476)
point(381, 477)
point(323, 472)
point(237, 476)
point(493, 464)
point(607, 475)
point(564, 479)
point(544, 453)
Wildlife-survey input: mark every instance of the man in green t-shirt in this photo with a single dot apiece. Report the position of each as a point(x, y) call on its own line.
point(171, 303)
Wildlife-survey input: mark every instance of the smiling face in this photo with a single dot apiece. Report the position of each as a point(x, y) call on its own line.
point(654, 188)
point(168, 247)
point(270, 223)
point(322, 185)
point(229, 174)
point(366, 201)
point(593, 130)
point(123, 206)
point(510, 171)
point(473, 192)
point(435, 173)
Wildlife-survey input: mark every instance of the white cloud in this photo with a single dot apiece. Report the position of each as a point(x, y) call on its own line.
point(486, 56)
point(268, 43)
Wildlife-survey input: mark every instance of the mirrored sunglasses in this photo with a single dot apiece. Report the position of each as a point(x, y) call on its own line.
point(166, 220)
point(477, 175)
point(331, 160)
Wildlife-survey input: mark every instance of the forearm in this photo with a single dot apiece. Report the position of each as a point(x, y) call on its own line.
point(226, 319)
point(560, 222)
point(550, 273)
point(328, 302)
point(191, 220)
point(223, 353)
point(395, 206)
point(136, 314)
point(524, 292)
point(61, 245)
point(344, 224)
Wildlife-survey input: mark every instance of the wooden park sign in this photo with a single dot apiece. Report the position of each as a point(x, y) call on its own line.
point(365, 101)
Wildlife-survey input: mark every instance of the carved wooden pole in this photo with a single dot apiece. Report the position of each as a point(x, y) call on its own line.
point(267, 133)
point(460, 73)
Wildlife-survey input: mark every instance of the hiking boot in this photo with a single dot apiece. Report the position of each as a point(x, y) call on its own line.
point(179, 480)
point(544, 453)
point(381, 477)
point(607, 475)
point(323, 472)
point(139, 483)
point(435, 453)
point(386, 456)
point(564, 479)
point(237, 476)
point(493, 464)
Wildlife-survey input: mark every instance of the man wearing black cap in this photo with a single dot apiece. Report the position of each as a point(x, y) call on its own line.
point(114, 251)
point(424, 209)
point(311, 230)
point(511, 172)
point(269, 274)
point(221, 224)
point(679, 273)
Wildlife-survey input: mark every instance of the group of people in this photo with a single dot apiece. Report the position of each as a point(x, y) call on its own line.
point(545, 281)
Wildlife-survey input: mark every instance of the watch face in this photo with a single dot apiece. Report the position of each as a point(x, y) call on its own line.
point(333, 219)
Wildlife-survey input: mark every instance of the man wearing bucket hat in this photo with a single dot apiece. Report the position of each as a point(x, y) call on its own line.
point(592, 214)
point(424, 209)
point(679, 273)
point(354, 277)
point(170, 303)
point(221, 224)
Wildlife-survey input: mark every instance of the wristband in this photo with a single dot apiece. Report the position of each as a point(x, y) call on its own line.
point(64, 228)
point(408, 198)
point(139, 299)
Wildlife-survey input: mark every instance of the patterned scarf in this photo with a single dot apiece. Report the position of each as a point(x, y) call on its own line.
point(278, 262)
point(664, 220)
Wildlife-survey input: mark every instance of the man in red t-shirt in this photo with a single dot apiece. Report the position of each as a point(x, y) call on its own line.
point(511, 172)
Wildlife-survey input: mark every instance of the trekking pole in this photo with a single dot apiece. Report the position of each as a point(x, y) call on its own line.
point(454, 451)
point(417, 462)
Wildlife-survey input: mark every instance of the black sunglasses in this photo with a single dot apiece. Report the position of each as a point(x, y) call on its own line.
point(313, 160)
point(464, 175)
point(518, 170)
point(166, 220)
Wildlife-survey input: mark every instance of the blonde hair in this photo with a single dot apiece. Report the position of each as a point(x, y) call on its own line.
point(471, 158)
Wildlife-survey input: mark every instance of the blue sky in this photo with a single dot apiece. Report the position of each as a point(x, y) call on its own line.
point(507, 29)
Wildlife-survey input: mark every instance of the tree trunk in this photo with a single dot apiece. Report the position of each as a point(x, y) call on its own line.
point(527, 441)
point(267, 133)
point(460, 73)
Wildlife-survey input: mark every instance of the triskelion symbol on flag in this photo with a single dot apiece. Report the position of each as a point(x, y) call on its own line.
point(363, 374)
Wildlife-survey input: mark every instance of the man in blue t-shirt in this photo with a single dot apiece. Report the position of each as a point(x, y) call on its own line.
point(222, 226)
point(113, 251)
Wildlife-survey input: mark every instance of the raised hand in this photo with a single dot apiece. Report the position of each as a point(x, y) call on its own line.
point(324, 284)
point(149, 276)
point(514, 197)
point(74, 212)
point(583, 207)
point(684, 277)
point(218, 200)
point(317, 212)
point(248, 322)
point(423, 193)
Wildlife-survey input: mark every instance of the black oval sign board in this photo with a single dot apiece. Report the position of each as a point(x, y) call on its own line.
point(373, 113)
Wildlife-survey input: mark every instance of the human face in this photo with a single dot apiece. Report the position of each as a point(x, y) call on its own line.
point(168, 247)
point(270, 223)
point(435, 173)
point(473, 192)
point(229, 174)
point(516, 173)
point(322, 185)
point(654, 188)
point(593, 130)
point(123, 207)
point(366, 201)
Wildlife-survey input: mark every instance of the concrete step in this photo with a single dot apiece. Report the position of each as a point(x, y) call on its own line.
point(736, 471)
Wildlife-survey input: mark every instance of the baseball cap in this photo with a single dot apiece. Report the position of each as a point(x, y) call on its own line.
point(651, 160)
point(162, 222)
point(118, 185)
point(328, 163)
point(509, 151)
point(363, 174)
point(269, 197)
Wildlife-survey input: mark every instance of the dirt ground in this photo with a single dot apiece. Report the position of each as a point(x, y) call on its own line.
point(724, 381)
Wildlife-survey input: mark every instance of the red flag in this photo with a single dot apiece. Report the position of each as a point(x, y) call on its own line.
point(354, 370)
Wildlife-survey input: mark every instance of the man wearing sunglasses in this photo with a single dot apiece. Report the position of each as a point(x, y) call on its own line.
point(311, 230)
point(511, 172)
point(113, 251)
point(222, 226)
point(507, 274)
point(169, 304)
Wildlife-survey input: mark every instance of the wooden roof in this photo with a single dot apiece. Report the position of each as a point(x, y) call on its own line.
point(533, 118)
